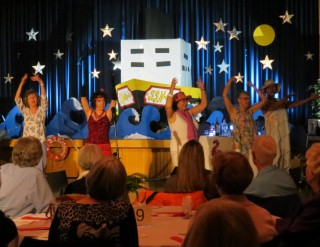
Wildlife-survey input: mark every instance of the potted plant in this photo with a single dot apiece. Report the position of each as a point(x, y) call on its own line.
point(135, 182)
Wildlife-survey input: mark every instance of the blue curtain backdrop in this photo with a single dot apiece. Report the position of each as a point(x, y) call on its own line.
point(85, 48)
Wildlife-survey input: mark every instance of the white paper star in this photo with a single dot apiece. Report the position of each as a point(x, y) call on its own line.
point(223, 67)
point(202, 44)
point(208, 70)
point(217, 47)
point(58, 54)
point(267, 62)
point(286, 17)
point(220, 25)
point(112, 55)
point(239, 78)
point(106, 31)
point(32, 34)
point(234, 33)
point(69, 36)
point(8, 78)
point(117, 65)
point(95, 73)
point(38, 68)
point(309, 56)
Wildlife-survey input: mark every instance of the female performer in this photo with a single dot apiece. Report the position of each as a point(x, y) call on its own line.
point(98, 119)
point(244, 126)
point(33, 109)
point(182, 124)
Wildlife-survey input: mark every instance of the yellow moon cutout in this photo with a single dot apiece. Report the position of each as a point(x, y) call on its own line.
point(264, 35)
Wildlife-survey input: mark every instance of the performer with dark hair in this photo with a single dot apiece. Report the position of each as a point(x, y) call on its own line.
point(98, 118)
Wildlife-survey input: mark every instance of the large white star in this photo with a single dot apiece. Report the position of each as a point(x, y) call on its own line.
point(217, 47)
point(286, 17)
point(58, 54)
point(95, 73)
point(309, 56)
point(220, 25)
point(38, 68)
point(208, 69)
point(32, 34)
point(239, 78)
point(106, 31)
point(223, 67)
point(117, 65)
point(267, 62)
point(112, 55)
point(8, 78)
point(202, 44)
point(234, 33)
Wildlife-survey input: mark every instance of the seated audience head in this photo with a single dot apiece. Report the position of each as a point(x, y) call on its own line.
point(264, 150)
point(221, 224)
point(313, 166)
point(107, 180)
point(27, 152)
point(191, 167)
point(232, 172)
point(8, 232)
point(89, 155)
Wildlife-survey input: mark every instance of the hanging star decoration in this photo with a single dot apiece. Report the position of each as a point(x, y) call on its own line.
point(220, 25)
point(95, 73)
point(208, 70)
point(38, 68)
point(69, 36)
point(112, 55)
point(32, 34)
point(309, 56)
point(239, 78)
point(202, 44)
point(106, 31)
point(234, 34)
point(58, 54)
point(267, 62)
point(223, 67)
point(117, 65)
point(217, 47)
point(8, 78)
point(286, 17)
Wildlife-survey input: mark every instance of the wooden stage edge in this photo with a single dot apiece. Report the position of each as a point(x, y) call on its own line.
point(149, 157)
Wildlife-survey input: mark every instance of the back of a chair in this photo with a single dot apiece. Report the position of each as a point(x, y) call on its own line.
point(282, 206)
point(57, 181)
point(170, 199)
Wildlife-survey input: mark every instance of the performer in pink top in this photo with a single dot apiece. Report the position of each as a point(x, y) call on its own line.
point(98, 119)
point(182, 124)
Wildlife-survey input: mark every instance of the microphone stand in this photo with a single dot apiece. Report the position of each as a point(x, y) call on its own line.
point(114, 116)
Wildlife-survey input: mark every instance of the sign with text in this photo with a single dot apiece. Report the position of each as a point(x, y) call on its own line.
point(157, 95)
point(142, 213)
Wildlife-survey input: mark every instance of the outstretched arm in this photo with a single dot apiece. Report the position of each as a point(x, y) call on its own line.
point(312, 97)
point(42, 87)
point(203, 104)
point(230, 108)
point(169, 101)
point(263, 98)
point(84, 100)
point(22, 82)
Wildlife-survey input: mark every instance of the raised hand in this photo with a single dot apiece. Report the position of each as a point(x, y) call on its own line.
point(173, 83)
point(200, 83)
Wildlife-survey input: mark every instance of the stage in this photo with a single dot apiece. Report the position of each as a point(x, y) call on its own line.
point(149, 157)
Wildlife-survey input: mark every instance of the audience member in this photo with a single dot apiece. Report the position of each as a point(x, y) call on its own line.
point(24, 188)
point(221, 224)
point(8, 232)
point(190, 175)
point(181, 120)
point(303, 228)
point(33, 109)
point(89, 155)
point(270, 180)
point(232, 174)
point(101, 218)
